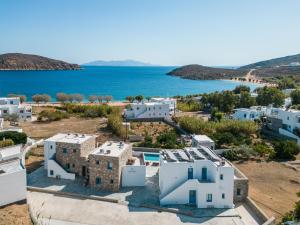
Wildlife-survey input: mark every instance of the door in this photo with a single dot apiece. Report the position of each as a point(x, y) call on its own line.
point(192, 197)
point(83, 171)
point(190, 173)
point(204, 173)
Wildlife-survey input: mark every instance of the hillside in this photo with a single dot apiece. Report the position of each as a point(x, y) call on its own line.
point(117, 63)
point(198, 72)
point(282, 61)
point(18, 61)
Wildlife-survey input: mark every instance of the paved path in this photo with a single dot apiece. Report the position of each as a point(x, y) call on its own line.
point(57, 210)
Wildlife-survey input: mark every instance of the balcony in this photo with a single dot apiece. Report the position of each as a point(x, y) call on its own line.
point(206, 181)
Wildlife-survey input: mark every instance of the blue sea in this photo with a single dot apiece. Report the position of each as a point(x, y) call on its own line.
point(116, 81)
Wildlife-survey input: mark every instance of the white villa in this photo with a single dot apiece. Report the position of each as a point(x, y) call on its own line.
point(172, 102)
point(252, 113)
point(12, 175)
point(10, 106)
point(202, 140)
point(147, 110)
point(284, 121)
point(195, 176)
point(108, 166)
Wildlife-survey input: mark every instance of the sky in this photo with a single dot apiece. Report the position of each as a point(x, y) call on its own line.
point(164, 32)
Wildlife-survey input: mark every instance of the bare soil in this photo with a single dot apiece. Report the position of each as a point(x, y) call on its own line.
point(15, 214)
point(39, 130)
point(153, 129)
point(272, 185)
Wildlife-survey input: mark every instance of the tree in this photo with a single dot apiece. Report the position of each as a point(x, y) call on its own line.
point(148, 98)
point(295, 96)
point(286, 150)
point(216, 115)
point(108, 98)
point(92, 98)
point(130, 98)
point(241, 88)
point(100, 99)
point(246, 100)
point(78, 97)
point(23, 98)
point(270, 95)
point(286, 82)
point(62, 97)
point(139, 98)
point(41, 98)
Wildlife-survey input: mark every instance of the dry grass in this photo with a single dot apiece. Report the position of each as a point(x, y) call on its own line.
point(273, 186)
point(153, 129)
point(72, 125)
point(15, 214)
point(35, 159)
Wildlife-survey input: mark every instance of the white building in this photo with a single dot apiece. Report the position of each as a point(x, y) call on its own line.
point(252, 113)
point(202, 140)
point(285, 121)
point(147, 110)
point(10, 106)
point(195, 176)
point(12, 175)
point(172, 102)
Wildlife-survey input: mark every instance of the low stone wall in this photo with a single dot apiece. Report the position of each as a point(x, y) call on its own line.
point(144, 149)
point(259, 213)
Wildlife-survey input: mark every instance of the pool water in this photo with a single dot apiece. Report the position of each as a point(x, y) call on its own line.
point(151, 157)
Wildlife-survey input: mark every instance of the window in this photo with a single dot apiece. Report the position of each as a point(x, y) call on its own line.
point(73, 165)
point(109, 165)
point(238, 192)
point(209, 198)
point(64, 150)
point(98, 180)
point(245, 115)
point(74, 150)
point(51, 146)
point(97, 162)
point(223, 196)
point(221, 176)
point(111, 181)
point(11, 102)
point(51, 173)
point(68, 165)
point(288, 118)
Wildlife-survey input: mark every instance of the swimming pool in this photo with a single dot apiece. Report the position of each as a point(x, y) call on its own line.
point(153, 157)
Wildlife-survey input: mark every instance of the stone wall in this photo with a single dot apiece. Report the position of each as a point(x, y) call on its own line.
point(110, 178)
point(75, 158)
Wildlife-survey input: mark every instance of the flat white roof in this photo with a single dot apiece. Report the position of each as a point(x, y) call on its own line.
point(202, 138)
point(149, 103)
point(70, 138)
point(11, 151)
point(111, 148)
point(11, 166)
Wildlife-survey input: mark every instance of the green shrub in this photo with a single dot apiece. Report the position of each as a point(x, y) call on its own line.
point(286, 150)
point(263, 149)
point(50, 115)
point(230, 155)
point(16, 137)
point(114, 124)
point(6, 143)
point(88, 110)
point(167, 140)
point(189, 106)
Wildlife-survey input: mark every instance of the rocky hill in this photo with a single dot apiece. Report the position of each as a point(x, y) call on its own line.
point(18, 61)
point(198, 72)
point(292, 60)
point(278, 67)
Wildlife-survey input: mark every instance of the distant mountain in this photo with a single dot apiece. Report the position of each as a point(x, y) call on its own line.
point(198, 72)
point(292, 60)
point(117, 63)
point(19, 61)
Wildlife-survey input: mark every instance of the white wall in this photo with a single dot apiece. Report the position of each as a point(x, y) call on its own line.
point(58, 171)
point(12, 187)
point(148, 111)
point(133, 175)
point(175, 186)
point(49, 152)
